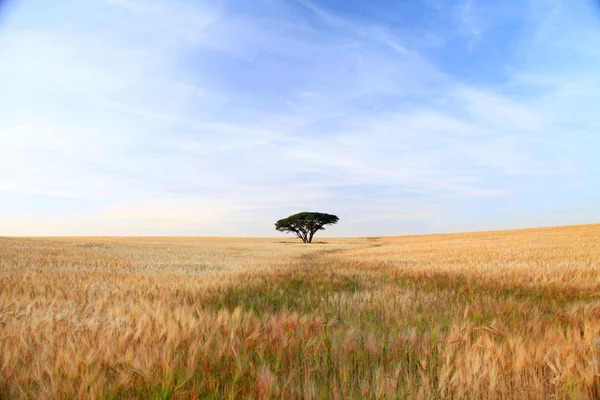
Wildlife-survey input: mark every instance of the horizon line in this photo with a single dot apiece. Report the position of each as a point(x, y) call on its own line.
point(292, 238)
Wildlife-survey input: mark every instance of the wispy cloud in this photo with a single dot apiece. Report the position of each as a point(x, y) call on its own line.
point(138, 116)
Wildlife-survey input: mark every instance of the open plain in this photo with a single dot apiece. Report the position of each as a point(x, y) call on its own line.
point(502, 314)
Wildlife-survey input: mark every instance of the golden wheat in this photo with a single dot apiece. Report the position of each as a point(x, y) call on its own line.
point(513, 314)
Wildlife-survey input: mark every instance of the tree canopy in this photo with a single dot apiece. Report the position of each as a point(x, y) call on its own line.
point(305, 224)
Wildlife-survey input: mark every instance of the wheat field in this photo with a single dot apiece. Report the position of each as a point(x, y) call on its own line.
point(491, 315)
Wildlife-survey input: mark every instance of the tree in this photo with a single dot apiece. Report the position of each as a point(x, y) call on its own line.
point(305, 224)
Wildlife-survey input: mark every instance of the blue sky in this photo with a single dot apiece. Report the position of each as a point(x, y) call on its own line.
point(147, 117)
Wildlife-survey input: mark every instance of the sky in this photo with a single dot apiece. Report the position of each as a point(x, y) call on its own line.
point(219, 117)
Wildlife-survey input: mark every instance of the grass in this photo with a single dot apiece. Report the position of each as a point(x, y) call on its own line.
point(513, 314)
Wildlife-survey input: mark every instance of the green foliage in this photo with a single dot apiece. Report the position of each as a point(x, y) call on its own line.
point(305, 224)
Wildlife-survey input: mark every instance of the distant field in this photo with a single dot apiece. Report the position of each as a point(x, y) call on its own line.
point(493, 315)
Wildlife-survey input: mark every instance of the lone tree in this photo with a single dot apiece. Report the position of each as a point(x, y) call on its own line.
point(305, 224)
